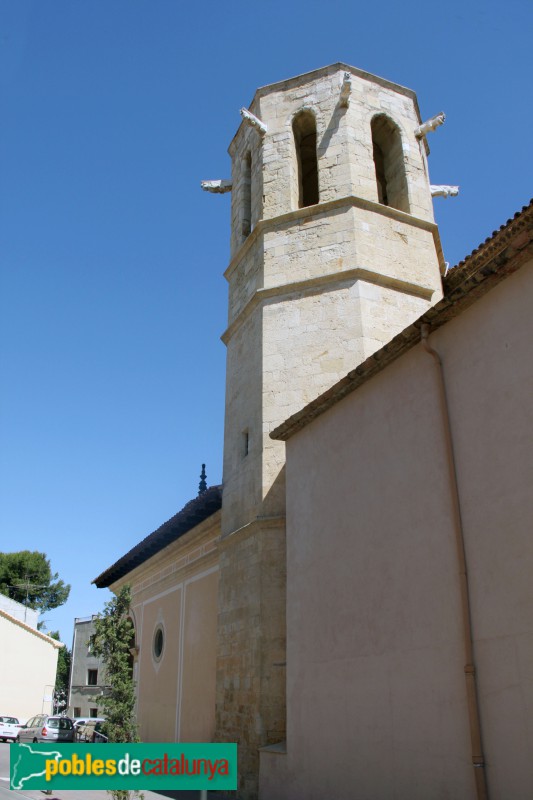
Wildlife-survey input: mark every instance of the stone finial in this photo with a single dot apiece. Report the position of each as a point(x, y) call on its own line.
point(202, 486)
point(253, 121)
point(444, 191)
point(217, 187)
point(430, 125)
point(346, 90)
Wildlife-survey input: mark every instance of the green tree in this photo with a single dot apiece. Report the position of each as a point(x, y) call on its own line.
point(27, 578)
point(111, 642)
point(64, 661)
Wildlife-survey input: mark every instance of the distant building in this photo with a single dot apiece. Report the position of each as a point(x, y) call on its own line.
point(29, 662)
point(87, 679)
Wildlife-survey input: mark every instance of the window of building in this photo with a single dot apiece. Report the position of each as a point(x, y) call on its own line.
point(77, 711)
point(245, 442)
point(159, 643)
point(92, 677)
point(247, 196)
point(93, 712)
point(304, 129)
point(389, 163)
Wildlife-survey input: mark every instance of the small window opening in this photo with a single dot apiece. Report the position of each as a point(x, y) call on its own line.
point(247, 196)
point(93, 712)
point(304, 129)
point(159, 643)
point(245, 443)
point(389, 164)
point(92, 677)
point(379, 163)
point(77, 711)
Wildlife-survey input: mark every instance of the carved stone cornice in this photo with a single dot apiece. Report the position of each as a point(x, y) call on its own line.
point(265, 225)
point(321, 282)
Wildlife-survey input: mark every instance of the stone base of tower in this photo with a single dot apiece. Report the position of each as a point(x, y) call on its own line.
point(250, 697)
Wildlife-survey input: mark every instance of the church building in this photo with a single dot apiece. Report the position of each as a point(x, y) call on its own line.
point(353, 605)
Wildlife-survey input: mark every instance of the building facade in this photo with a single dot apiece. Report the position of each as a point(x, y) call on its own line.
point(87, 674)
point(28, 665)
point(409, 557)
point(334, 255)
point(323, 271)
point(173, 575)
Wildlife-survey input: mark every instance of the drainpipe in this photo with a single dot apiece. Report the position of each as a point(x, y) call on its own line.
point(478, 760)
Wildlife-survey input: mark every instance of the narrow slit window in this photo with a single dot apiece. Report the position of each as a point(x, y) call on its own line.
point(304, 129)
point(389, 164)
point(247, 196)
point(245, 443)
point(379, 163)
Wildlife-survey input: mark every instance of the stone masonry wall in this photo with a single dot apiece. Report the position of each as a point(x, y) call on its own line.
point(250, 696)
point(312, 292)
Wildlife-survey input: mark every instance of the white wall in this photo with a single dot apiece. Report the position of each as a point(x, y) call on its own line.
point(27, 668)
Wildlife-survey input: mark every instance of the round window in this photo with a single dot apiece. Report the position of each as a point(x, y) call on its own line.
point(159, 642)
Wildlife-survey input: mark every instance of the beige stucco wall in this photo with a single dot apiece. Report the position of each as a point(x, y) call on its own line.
point(158, 681)
point(199, 642)
point(27, 668)
point(177, 591)
point(376, 703)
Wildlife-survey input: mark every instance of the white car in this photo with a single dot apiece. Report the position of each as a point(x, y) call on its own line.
point(9, 728)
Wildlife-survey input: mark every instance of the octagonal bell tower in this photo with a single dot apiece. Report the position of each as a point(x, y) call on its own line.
point(334, 250)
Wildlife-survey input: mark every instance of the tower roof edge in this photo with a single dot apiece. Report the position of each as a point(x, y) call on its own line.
point(328, 70)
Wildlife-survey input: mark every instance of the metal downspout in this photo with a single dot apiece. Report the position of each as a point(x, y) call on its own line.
point(478, 760)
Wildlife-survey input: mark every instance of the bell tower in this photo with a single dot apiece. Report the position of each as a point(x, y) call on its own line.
point(334, 250)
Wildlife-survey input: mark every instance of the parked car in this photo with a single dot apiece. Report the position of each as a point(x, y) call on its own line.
point(91, 732)
point(9, 728)
point(46, 728)
point(80, 722)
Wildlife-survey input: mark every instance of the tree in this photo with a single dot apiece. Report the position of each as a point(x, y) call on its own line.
point(111, 641)
point(64, 661)
point(27, 578)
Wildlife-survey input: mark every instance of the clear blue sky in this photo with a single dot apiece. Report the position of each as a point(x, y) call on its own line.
point(112, 299)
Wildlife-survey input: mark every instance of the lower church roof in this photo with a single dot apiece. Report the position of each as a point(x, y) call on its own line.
point(196, 511)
